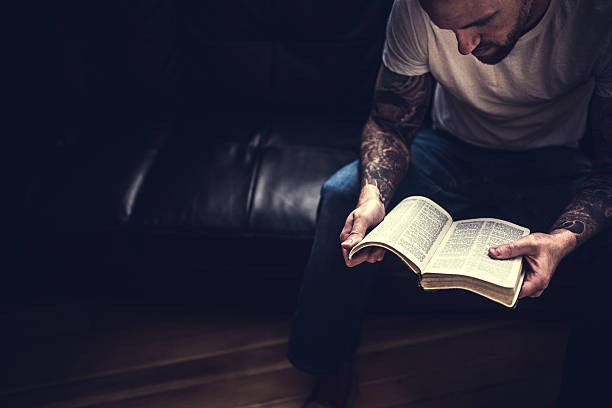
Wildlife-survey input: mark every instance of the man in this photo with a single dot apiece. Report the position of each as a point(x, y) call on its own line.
point(516, 81)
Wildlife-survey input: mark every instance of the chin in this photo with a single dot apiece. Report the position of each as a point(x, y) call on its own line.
point(490, 59)
point(496, 57)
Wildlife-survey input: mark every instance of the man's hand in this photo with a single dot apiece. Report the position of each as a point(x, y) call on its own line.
point(542, 252)
point(369, 212)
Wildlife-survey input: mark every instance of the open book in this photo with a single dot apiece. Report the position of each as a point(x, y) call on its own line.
point(447, 254)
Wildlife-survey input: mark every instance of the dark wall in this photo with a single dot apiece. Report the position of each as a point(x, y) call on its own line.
point(101, 85)
point(245, 54)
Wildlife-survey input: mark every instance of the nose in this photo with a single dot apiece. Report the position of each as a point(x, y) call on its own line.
point(467, 41)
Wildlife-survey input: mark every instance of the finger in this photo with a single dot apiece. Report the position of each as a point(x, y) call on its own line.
point(528, 286)
point(348, 226)
point(353, 239)
point(345, 255)
point(522, 246)
point(359, 257)
point(533, 286)
point(528, 289)
point(357, 233)
point(377, 254)
point(372, 256)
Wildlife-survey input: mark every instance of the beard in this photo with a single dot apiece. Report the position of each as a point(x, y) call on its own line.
point(502, 50)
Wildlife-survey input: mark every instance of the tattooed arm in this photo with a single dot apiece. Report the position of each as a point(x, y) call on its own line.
point(589, 213)
point(399, 106)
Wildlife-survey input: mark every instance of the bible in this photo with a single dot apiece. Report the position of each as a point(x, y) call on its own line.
point(448, 254)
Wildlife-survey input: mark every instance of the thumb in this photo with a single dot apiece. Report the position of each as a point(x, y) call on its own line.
point(522, 246)
point(356, 235)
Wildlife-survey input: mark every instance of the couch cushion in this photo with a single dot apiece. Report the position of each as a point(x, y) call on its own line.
point(202, 179)
point(297, 156)
point(245, 174)
point(93, 182)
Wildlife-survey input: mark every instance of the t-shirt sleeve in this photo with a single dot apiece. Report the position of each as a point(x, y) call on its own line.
point(405, 49)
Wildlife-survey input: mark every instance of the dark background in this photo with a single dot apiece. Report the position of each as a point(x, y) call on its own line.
point(174, 149)
point(199, 104)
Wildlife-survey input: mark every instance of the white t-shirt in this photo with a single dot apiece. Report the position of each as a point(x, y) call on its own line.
point(537, 96)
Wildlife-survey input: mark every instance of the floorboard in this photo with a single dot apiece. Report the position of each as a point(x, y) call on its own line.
point(132, 355)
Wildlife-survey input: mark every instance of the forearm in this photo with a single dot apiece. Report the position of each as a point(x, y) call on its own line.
point(400, 104)
point(590, 212)
point(384, 162)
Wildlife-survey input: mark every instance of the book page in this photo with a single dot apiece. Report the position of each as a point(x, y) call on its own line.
point(464, 251)
point(415, 227)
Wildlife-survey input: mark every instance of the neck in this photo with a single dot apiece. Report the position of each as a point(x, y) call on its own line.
point(538, 9)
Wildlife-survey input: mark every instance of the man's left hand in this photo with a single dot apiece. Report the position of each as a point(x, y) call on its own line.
point(542, 253)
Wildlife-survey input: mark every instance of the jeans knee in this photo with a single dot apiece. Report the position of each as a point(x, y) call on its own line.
point(338, 197)
point(342, 189)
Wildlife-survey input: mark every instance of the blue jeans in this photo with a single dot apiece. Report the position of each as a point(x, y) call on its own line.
point(530, 188)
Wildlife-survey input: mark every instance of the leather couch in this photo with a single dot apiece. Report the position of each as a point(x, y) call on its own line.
point(185, 142)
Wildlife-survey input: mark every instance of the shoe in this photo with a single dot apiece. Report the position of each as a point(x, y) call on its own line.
point(349, 400)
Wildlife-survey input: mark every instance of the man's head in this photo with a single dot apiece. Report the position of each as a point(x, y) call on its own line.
point(488, 29)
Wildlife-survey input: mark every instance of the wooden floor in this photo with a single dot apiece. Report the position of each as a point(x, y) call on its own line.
point(143, 354)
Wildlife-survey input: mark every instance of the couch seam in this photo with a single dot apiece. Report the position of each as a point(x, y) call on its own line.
point(254, 175)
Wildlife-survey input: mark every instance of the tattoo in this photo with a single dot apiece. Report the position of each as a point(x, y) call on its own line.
point(590, 212)
point(577, 227)
point(399, 106)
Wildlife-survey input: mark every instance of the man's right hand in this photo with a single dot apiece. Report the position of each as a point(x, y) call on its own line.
point(399, 106)
point(369, 213)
